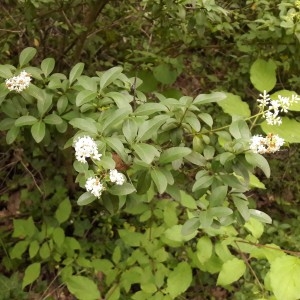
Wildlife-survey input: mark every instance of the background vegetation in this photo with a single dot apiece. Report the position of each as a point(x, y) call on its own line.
point(167, 50)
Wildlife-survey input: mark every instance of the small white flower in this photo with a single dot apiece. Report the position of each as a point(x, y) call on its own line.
point(86, 147)
point(94, 186)
point(272, 117)
point(269, 144)
point(18, 83)
point(116, 177)
point(264, 100)
point(274, 107)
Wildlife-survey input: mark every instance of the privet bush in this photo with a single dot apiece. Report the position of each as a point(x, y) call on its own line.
point(167, 181)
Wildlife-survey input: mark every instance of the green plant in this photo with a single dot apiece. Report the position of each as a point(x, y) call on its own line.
point(176, 201)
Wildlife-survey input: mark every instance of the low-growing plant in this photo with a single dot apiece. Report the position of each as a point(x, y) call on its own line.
point(167, 182)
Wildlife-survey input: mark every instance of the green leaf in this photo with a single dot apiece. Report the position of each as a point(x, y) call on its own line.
point(208, 98)
point(160, 180)
point(191, 226)
point(234, 106)
point(32, 273)
point(83, 288)
point(174, 153)
point(147, 109)
point(18, 249)
point(115, 118)
point(86, 198)
point(165, 74)
point(219, 212)
point(202, 183)
point(45, 251)
point(115, 144)
point(25, 120)
point(144, 182)
point(121, 190)
point(63, 211)
point(289, 130)
point(187, 200)
point(121, 99)
point(12, 134)
point(206, 118)
point(130, 129)
point(76, 72)
point(260, 216)
point(242, 207)
point(87, 124)
point(85, 96)
point(178, 235)
point(146, 152)
point(33, 248)
point(204, 249)
point(232, 270)
point(47, 66)
point(62, 104)
point(218, 195)
point(26, 56)
point(44, 102)
point(109, 76)
point(263, 74)
point(6, 72)
point(24, 228)
point(255, 227)
point(53, 119)
point(150, 127)
point(131, 238)
point(38, 131)
point(258, 160)
point(284, 277)
point(239, 129)
point(58, 236)
point(179, 279)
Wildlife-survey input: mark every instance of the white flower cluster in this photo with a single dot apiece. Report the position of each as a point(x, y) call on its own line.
point(269, 144)
point(86, 147)
point(116, 177)
point(274, 107)
point(18, 83)
point(94, 186)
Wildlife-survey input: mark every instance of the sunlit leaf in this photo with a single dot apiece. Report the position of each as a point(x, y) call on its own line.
point(232, 270)
point(263, 74)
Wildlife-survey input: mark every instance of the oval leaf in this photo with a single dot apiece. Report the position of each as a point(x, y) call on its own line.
point(76, 72)
point(231, 271)
point(86, 198)
point(284, 277)
point(88, 125)
point(26, 56)
point(25, 120)
point(174, 153)
point(83, 288)
point(47, 66)
point(234, 106)
point(85, 96)
point(38, 131)
point(179, 279)
point(32, 273)
point(263, 74)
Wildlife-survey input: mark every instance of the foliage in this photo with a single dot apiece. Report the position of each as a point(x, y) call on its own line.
point(185, 217)
point(183, 208)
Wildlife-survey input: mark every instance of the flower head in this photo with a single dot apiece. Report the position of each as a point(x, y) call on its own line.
point(269, 144)
point(116, 177)
point(274, 107)
point(94, 186)
point(18, 83)
point(86, 147)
